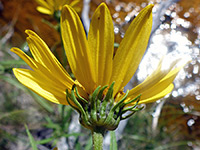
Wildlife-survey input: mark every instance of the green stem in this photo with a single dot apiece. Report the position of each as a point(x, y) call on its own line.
point(62, 116)
point(97, 139)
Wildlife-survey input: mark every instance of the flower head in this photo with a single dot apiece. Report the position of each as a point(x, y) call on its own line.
point(94, 64)
point(49, 7)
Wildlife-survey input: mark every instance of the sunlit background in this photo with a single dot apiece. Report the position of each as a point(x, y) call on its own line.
point(172, 123)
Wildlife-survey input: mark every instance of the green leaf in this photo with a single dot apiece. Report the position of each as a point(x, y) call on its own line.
point(45, 141)
point(10, 114)
point(113, 141)
point(7, 65)
point(89, 144)
point(12, 62)
point(72, 134)
point(2, 69)
point(32, 140)
point(78, 146)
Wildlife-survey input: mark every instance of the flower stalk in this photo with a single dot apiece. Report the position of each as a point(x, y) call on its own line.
point(97, 138)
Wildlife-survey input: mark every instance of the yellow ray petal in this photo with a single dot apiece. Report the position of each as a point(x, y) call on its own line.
point(76, 4)
point(42, 3)
point(25, 57)
point(44, 10)
point(44, 56)
point(101, 44)
point(52, 3)
point(58, 5)
point(162, 85)
point(63, 2)
point(44, 87)
point(132, 48)
point(76, 48)
point(153, 79)
point(65, 81)
point(73, 2)
point(157, 89)
point(157, 96)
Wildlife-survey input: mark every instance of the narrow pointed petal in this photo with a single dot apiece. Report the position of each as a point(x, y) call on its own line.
point(76, 48)
point(44, 56)
point(157, 90)
point(153, 79)
point(44, 87)
point(44, 10)
point(44, 7)
point(164, 83)
point(63, 2)
point(52, 3)
point(157, 96)
point(101, 44)
point(132, 48)
point(58, 5)
point(43, 3)
point(25, 57)
point(65, 80)
point(76, 4)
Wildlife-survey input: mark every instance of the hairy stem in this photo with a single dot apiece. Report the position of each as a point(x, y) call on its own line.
point(97, 139)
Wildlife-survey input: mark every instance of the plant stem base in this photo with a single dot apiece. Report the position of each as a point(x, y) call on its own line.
point(97, 139)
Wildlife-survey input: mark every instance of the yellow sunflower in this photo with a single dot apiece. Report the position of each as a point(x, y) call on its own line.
point(92, 60)
point(50, 6)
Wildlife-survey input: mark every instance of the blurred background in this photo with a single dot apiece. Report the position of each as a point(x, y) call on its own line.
point(172, 123)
